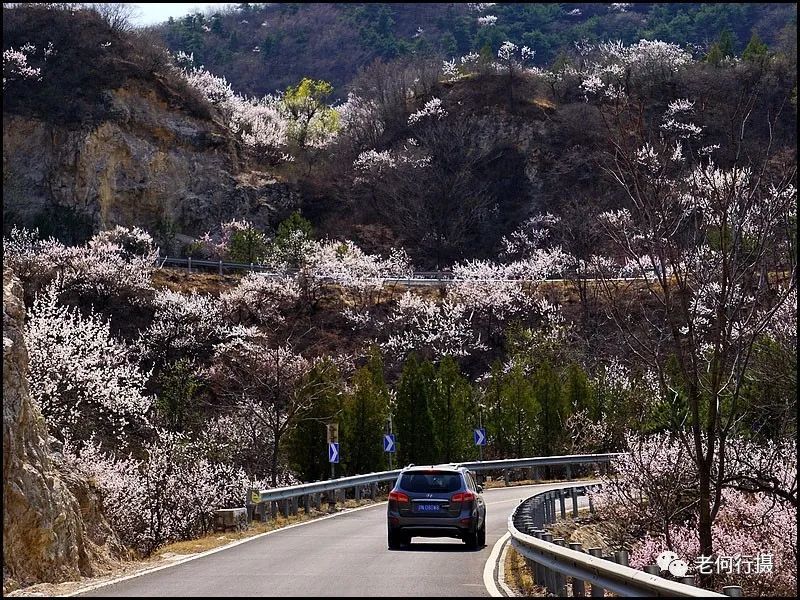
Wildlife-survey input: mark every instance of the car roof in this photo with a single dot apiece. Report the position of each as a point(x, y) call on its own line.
point(453, 467)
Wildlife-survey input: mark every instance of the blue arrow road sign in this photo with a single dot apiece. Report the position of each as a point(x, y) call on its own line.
point(388, 443)
point(480, 436)
point(333, 452)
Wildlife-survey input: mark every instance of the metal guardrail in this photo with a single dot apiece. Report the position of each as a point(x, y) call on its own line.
point(311, 493)
point(417, 279)
point(553, 561)
point(191, 263)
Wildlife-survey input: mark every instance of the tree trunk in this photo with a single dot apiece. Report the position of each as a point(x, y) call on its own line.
point(705, 521)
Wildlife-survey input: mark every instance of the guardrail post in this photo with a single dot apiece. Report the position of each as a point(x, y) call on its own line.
point(561, 495)
point(540, 571)
point(569, 472)
point(285, 508)
point(373, 490)
point(578, 588)
point(621, 557)
point(190, 264)
point(273, 509)
point(596, 591)
point(652, 569)
point(505, 477)
point(307, 503)
point(546, 508)
point(591, 504)
point(574, 493)
point(251, 267)
point(293, 505)
point(220, 267)
point(561, 580)
point(734, 591)
point(550, 575)
point(552, 507)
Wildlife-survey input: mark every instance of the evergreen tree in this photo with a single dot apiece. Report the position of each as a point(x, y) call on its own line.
point(363, 419)
point(291, 237)
point(577, 395)
point(248, 245)
point(521, 410)
point(450, 408)
point(416, 441)
point(756, 50)
point(307, 447)
point(496, 423)
point(554, 410)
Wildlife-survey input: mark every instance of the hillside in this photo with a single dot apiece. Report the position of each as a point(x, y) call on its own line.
point(130, 138)
point(107, 135)
point(261, 48)
point(618, 220)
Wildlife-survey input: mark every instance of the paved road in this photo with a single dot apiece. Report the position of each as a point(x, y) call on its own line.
point(341, 556)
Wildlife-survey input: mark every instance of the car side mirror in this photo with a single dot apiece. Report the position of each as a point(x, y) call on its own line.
point(479, 488)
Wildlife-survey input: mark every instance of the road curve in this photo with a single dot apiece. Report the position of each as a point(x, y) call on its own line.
point(341, 556)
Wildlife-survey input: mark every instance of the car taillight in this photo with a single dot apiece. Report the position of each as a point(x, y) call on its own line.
point(462, 497)
point(398, 497)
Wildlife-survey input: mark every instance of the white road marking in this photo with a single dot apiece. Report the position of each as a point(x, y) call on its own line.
point(488, 568)
point(501, 572)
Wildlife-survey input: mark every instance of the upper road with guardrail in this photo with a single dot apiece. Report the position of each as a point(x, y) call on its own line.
point(417, 279)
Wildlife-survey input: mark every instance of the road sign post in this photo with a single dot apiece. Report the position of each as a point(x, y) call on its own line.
point(333, 438)
point(479, 435)
point(389, 442)
point(333, 453)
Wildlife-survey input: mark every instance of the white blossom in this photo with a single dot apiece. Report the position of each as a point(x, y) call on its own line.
point(79, 375)
point(433, 109)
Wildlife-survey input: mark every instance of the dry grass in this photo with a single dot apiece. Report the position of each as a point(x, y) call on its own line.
point(584, 529)
point(180, 280)
point(498, 483)
point(518, 575)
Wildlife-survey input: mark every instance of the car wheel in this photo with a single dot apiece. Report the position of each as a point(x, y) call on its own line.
point(394, 540)
point(471, 540)
point(482, 535)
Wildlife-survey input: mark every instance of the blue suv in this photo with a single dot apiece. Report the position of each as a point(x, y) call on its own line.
point(436, 501)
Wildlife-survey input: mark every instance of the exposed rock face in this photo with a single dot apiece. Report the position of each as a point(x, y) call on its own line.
point(53, 529)
point(149, 164)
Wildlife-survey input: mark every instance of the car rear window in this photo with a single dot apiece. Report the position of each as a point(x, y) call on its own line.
point(436, 481)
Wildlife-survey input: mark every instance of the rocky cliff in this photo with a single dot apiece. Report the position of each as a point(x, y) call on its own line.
point(148, 164)
point(53, 528)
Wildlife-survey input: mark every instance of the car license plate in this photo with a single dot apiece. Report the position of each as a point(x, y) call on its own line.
point(427, 508)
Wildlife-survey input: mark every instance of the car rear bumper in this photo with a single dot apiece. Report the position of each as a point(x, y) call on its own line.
point(427, 526)
point(433, 531)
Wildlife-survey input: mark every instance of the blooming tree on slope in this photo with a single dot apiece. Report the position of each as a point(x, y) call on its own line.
point(82, 379)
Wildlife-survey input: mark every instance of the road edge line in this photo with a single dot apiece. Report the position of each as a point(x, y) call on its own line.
point(489, 567)
point(215, 550)
point(501, 571)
